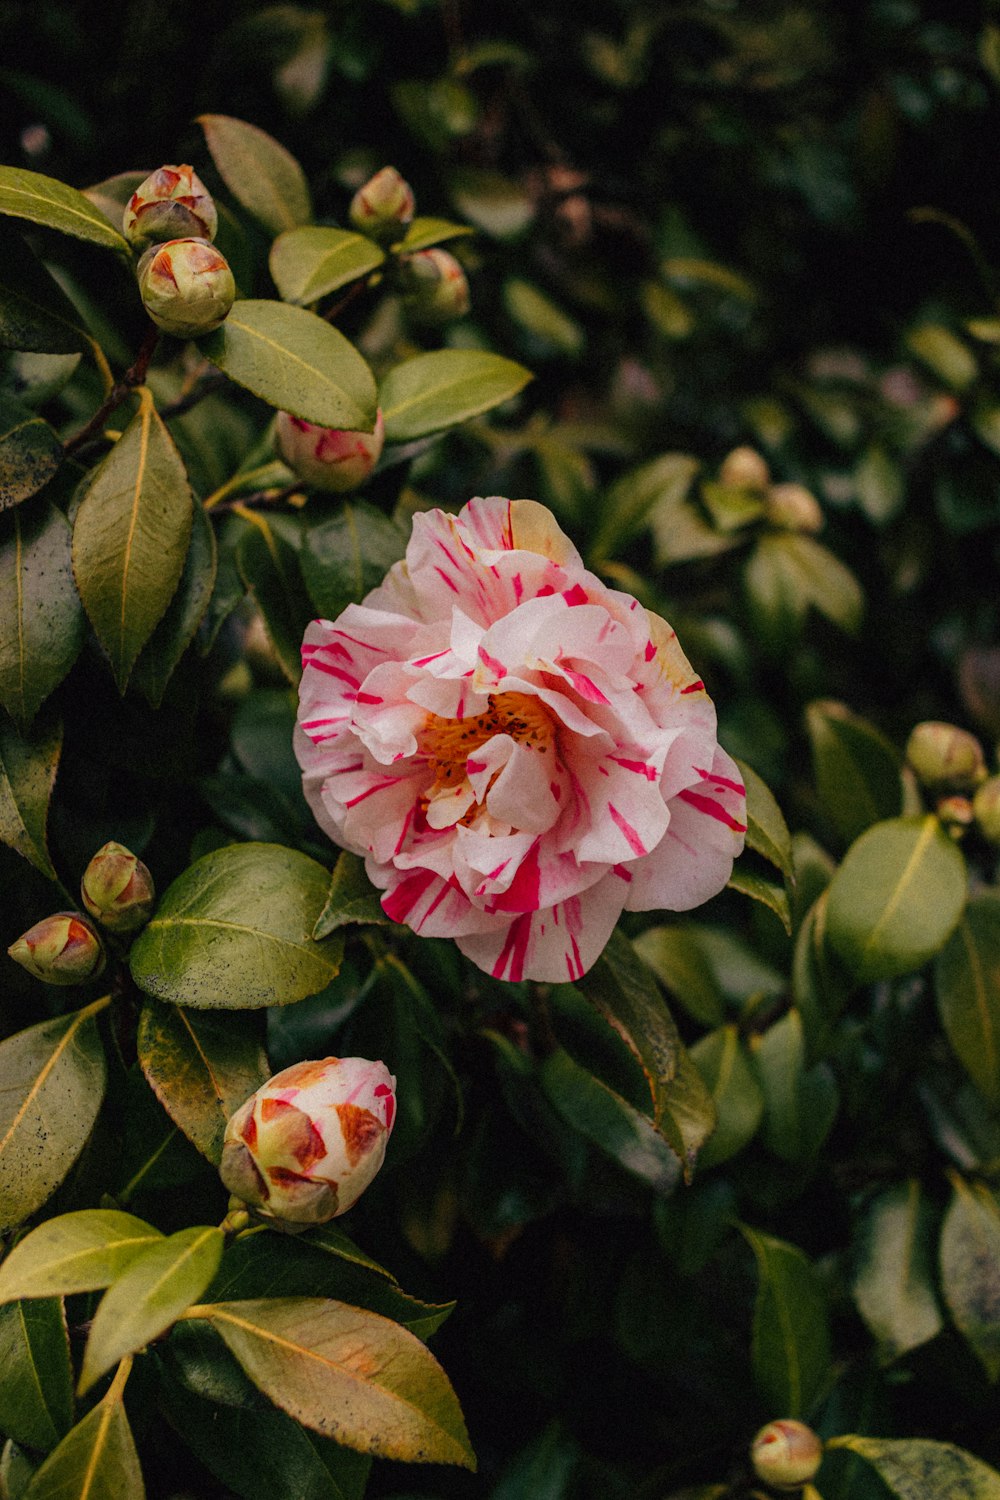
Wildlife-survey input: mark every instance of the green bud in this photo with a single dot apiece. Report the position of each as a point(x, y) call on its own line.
point(383, 207)
point(61, 949)
point(986, 809)
point(944, 757)
point(745, 469)
point(956, 814)
point(786, 1454)
point(173, 203)
point(436, 286)
point(186, 287)
point(794, 508)
point(117, 889)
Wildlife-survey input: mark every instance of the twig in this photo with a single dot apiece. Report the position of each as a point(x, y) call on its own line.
point(134, 375)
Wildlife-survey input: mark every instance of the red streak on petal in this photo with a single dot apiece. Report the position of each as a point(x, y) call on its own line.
point(544, 592)
point(380, 786)
point(650, 651)
point(638, 766)
point(628, 832)
point(524, 891)
point(385, 1092)
point(623, 872)
point(514, 950)
point(585, 687)
point(694, 687)
point(713, 809)
point(555, 789)
point(368, 646)
point(576, 595)
point(732, 786)
point(518, 587)
point(398, 903)
point(422, 661)
point(249, 1131)
point(495, 666)
point(447, 552)
point(450, 582)
point(369, 698)
point(338, 672)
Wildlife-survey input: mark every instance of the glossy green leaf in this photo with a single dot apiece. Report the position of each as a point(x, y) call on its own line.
point(893, 1282)
point(919, 1469)
point(30, 452)
point(431, 392)
point(942, 351)
point(767, 831)
point(663, 482)
point(791, 1335)
point(96, 1460)
point(41, 618)
point(149, 1296)
point(677, 959)
point(35, 312)
point(51, 1085)
point(542, 318)
point(28, 765)
point(349, 1374)
point(424, 232)
point(967, 980)
point(16, 1471)
point(896, 898)
point(611, 1122)
point(55, 205)
point(269, 566)
point(346, 557)
point(234, 932)
point(739, 1104)
point(352, 898)
point(296, 362)
point(36, 1375)
point(767, 892)
point(76, 1252)
point(856, 768)
point(313, 261)
point(786, 574)
point(970, 1270)
point(800, 1103)
point(262, 176)
point(201, 1066)
point(130, 537)
point(176, 630)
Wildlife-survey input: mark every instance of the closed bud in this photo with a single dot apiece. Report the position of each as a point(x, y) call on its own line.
point(786, 1454)
point(986, 809)
point(436, 286)
point(945, 757)
point(326, 457)
point(173, 203)
point(794, 508)
point(118, 889)
point(383, 207)
point(186, 287)
point(61, 949)
point(745, 469)
point(956, 814)
point(304, 1147)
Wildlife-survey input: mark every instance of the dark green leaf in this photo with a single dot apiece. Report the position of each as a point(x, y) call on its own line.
point(624, 991)
point(676, 958)
point(767, 831)
point(433, 391)
point(664, 481)
point(727, 1074)
point(28, 765)
point(893, 1284)
point(262, 176)
point(35, 312)
point(767, 892)
point(16, 1471)
point(801, 1103)
point(96, 1460)
point(77, 1252)
point(918, 1469)
point(41, 619)
point(791, 1336)
point(30, 452)
point(344, 558)
point(856, 768)
point(36, 1375)
point(967, 978)
point(311, 262)
point(43, 200)
point(970, 1270)
point(269, 566)
point(176, 630)
point(352, 898)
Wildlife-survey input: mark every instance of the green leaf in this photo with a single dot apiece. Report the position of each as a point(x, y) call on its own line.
point(41, 618)
point(51, 1085)
point(344, 558)
point(309, 263)
point(893, 1283)
point(856, 768)
point(96, 1460)
point(663, 482)
point(767, 831)
point(787, 573)
point(149, 1296)
point(36, 1375)
point(970, 1270)
point(77, 1252)
point(111, 194)
point(791, 1335)
point(176, 630)
point(542, 318)
point(28, 765)
point(35, 312)
point(30, 452)
point(234, 932)
point(739, 1104)
point(55, 205)
point(918, 1469)
point(820, 987)
point(430, 392)
point(262, 176)
point(801, 1104)
point(676, 958)
point(130, 537)
point(352, 898)
point(201, 1066)
point(16, 1471)
point(349, 1374)
point(967, 979)
point(495, 203)
point(269, 566)
point(767, 892)
point(944, 353)
point(423, 232)
point(296, 362)
point(896, 898)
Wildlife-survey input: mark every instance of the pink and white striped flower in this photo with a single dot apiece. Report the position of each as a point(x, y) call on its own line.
point(519, 752)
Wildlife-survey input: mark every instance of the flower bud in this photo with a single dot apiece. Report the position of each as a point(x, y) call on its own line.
point(383, 207)
point(794, 508)
point(956, 814)
point(117, 889)
point(304, 1147)
point(61, 949)
point(745, 469)
point(986, 809)
point(943, 756)
point(786, 1454)
point(436, 286)
point(173, 203)
point(186, 287)
point(325, 457)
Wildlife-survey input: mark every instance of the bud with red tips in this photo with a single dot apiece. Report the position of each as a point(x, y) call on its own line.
point(945, 758)
point(786, 1454)
point(745, 469)
point(173, 203)
point(326, 457)
point(117, 889)
point(61, 949)
point(436, 286)
point(304, 1147)
point(383, 207)
point(186, 287)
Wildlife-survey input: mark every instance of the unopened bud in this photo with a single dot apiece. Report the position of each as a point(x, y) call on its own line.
point(436, 286)
point(383, 207)
point(304, 1147)
point(326, 457)
point(117, 889)
point(786, 1454)
point(61, 949)
point(173, 203)
point(986, 809)
point(945, 757)
point(745, 469)
point(186, 287)
point(794, 508)
point(956, 814)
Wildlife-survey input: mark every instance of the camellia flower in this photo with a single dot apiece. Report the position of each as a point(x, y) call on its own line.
point(519, 752)
point(305, 1146)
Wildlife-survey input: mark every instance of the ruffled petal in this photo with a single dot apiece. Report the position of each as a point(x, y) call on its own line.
point(695, 858)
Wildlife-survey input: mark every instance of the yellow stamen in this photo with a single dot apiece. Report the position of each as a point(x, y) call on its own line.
point(447, 743)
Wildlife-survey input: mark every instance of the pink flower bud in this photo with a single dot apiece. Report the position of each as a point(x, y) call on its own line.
point(786, 1454)
point(745, 469)
point(304, 1147)
point(117, 889)
point(325, 457)
point(794, 508)
point(383, 207)
point(186, 287)
point(173, 203)
point(945, 757)
point(436, 286)
point(61, 949)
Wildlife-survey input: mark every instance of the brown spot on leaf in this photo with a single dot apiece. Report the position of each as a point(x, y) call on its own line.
point(360, 1129)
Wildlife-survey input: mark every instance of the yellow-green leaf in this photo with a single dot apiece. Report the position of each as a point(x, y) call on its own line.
point(76, 1252)
point(314, 260)
point(433, 391)
point(56, 205)
point(262, 176)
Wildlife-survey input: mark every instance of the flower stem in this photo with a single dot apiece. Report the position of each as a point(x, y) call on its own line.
point(134, 375)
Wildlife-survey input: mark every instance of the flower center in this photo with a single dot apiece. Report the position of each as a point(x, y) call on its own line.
point(447, 743)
